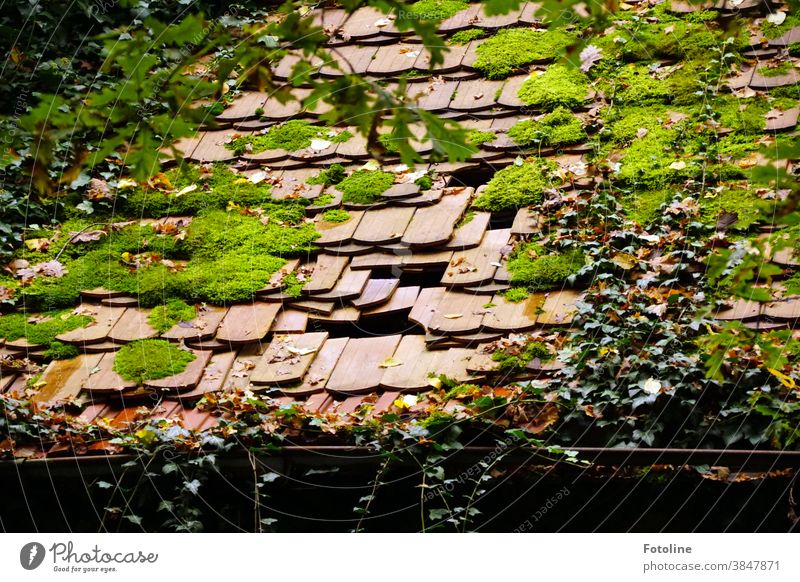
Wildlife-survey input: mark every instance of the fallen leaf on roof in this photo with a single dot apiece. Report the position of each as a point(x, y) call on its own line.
point(319, 145)
point(679, 165)
point(776, 18)
point(300, 351)
point(624, 260)
point(452, 315)
point(390, 363)
point(187, 189)
point(38, 244)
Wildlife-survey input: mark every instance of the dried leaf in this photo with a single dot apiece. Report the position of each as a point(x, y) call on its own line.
point(390, 363)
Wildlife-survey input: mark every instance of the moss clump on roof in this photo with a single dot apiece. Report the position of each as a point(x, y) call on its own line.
point(558, 128)
point(163, 317)
point(365, 186)
point(747, 117)
point(151, 359)
point(478, 138)
point(40, 329)
point(517, 357)
point(558, 86)
point(652, 162)
point(516, 294)
point(511, 49)
point(643, 206)
point(772, 31)
point(533, 268)
point(466, 36)
point(514, 187)
point(745, 203)
point(436, 9)
point(61, 351)
point(776, 71)
point(293, 135)
point(636, 85)
point(190, 189)
point(330, 176)
point(336, 215)
point(671, 39)
point(794, 49)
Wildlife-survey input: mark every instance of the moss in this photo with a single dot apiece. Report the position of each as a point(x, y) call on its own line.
point(749, 207)
point(364, 186)
point(556, 129)
point(511, 49)
point(623, 124)
point(516, 294)
point(436, 9)
point(530, 266)
point(772, 31)
point(794, 49)
point(330, 176)
point(214, 189)
point(514, 187)
point(163, 317)
point(292, 286)
point(776, 71)
point(324, 199)
point(643, 207)
point(635, 85)
point(150, 359)
point(516, 358)
point(336, 215)
point(41, 329)
point(558, 86)
point(478, 138)
point(670, 39)
point(231, 278)
point(466, 219)
point(61, 351)
point(465, 36)
point(293, 135)
point(744, 117)
point(686, 85)
point(424, 182)
point(648, 161)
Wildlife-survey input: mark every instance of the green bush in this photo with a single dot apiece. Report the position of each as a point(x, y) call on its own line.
point(511, 49)
point(514, 187)
point(558, 86)
point(151, 359)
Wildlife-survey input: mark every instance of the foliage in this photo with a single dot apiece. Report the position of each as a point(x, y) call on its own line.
point(558, 86)
point(515, 186)
point(513, 48)
point(478, 138)
point(151, 359)
point(436, 9)
point(516, 356)
point(365, 186)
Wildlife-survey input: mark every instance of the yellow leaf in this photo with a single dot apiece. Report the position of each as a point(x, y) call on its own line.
point(39, 384)
point(390, 363)
point(452, 315)
point(624, 260)
point(127, 257)
point(784, 379)
point(436, 382)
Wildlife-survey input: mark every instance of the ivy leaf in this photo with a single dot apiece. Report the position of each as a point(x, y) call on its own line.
point(192, 486)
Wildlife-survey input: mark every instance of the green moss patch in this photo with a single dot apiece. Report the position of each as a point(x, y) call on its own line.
point(478, 138)
point(164, 317)
point(466, 36)
point(514, 187)
point(558, 128)
point(772, 31)
point(516, 294)
point(558, 86)
point(365, 186)
point(777, 71)
point(195, 189)
point(643, 207)
point(517, 357)
point(40, 329)
point(330, 176)
point(749, 207)
point(636, 85)
point(291, 136)
point(336, 215)
point(436, 9)
point(530, 266)
point(511, 49)
point(150, 359)
point(648, 162)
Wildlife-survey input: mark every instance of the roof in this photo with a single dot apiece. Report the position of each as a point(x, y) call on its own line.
point(407, 288)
